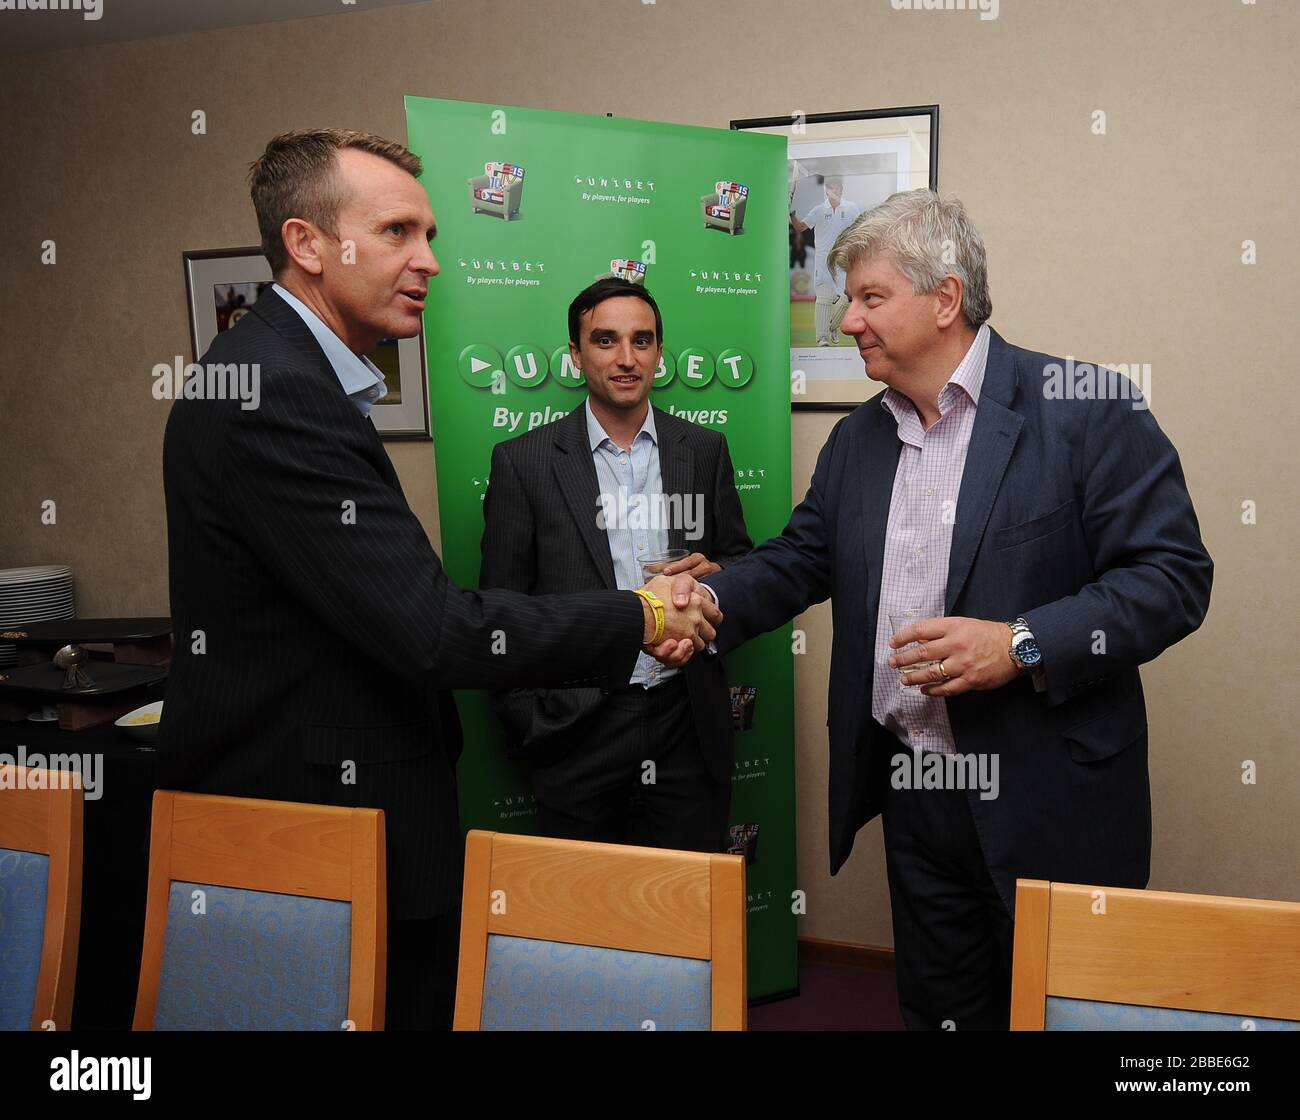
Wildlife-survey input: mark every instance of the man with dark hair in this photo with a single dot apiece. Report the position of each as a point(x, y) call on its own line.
point(580, 505)
point(609, 287)
point(318, 635)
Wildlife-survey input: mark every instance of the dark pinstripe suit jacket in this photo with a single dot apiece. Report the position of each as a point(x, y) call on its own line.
point(330, 639)
point(541, 537)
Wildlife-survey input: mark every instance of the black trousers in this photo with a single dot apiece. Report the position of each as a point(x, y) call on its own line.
point(952, 931)
point(422, 958)
point(602, 788)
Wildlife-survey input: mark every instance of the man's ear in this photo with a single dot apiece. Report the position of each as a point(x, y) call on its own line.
point(302, 245)
point(575, 355)
point(947, 301)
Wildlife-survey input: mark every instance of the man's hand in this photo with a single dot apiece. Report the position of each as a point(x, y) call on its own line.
point(689, 619)
point(696, 565)
point(975, 655)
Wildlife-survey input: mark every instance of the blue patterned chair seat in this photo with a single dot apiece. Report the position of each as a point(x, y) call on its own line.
point(236, 959)
point(535, 985)
point(24, 886)
point(1094, 1015)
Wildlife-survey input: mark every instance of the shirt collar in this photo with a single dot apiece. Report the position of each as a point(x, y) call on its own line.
point(967, 378)
point(596, 435)
point(356, 373)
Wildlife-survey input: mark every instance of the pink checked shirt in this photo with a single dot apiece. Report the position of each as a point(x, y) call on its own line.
point(918, 538)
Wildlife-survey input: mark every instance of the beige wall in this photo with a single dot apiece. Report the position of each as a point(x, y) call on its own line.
point(1123, 247)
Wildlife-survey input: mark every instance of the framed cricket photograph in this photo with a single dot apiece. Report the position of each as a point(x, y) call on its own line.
point(223, 284)
point(839, 166)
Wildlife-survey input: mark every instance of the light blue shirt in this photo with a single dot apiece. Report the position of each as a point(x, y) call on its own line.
point(360, 377)
point(631, 487)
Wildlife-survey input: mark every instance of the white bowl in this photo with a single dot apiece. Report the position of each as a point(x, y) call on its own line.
point(145, 732)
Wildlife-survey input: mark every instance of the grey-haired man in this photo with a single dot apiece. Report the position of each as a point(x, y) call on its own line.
point(1000, 558)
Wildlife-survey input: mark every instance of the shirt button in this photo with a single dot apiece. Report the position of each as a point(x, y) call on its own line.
point(919, 551)
point(929, 491)
point(623, 459)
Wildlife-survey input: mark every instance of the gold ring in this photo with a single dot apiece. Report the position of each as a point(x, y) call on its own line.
point(943, 672)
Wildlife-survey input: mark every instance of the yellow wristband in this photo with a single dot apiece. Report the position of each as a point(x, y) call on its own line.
point(656, 605)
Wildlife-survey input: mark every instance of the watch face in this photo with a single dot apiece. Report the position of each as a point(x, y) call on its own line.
point(1028, 652)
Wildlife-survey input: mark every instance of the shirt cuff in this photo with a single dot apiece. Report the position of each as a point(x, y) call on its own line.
point(712, 647)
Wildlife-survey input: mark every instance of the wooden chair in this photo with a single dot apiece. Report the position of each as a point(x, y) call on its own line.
point(1094, 958)
point(40, 896)
point(565, 934)
point(263, 915)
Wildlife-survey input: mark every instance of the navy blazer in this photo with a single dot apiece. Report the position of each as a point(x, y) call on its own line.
point(1072, 513)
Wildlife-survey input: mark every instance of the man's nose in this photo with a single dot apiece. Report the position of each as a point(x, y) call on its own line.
point(426, 262)
point(854, 321)
point(626, 356)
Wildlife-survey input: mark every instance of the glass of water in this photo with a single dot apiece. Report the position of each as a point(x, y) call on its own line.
point(900, 620)
point(651, 566)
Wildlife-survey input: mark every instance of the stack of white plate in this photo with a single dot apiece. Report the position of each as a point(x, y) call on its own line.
point(32, 595)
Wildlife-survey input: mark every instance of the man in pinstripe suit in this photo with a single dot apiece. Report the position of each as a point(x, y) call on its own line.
point(579, 505)
point(317, 633)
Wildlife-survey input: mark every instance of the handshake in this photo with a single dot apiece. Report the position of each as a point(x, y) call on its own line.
point(690, 614)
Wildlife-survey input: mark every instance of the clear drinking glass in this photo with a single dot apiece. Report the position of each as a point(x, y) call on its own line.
point(652, 565)
point(900, 620)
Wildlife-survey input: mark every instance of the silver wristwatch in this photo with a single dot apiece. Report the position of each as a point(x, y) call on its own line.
point(1024, 647)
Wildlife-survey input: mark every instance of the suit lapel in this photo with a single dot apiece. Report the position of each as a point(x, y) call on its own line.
point(286, 322)
point(997, 427)
point(575, 473)
point(676, 472)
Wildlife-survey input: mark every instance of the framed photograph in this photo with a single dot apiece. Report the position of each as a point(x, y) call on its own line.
point(839, 166)
point(222, 284)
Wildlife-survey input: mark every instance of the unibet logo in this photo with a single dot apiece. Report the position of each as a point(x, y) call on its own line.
point(696, 367)
point(566, 373)
point(528, 366)
point(480, 365)
point(735, 368)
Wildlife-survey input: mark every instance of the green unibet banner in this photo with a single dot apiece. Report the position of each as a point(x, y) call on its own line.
point(533, 206)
